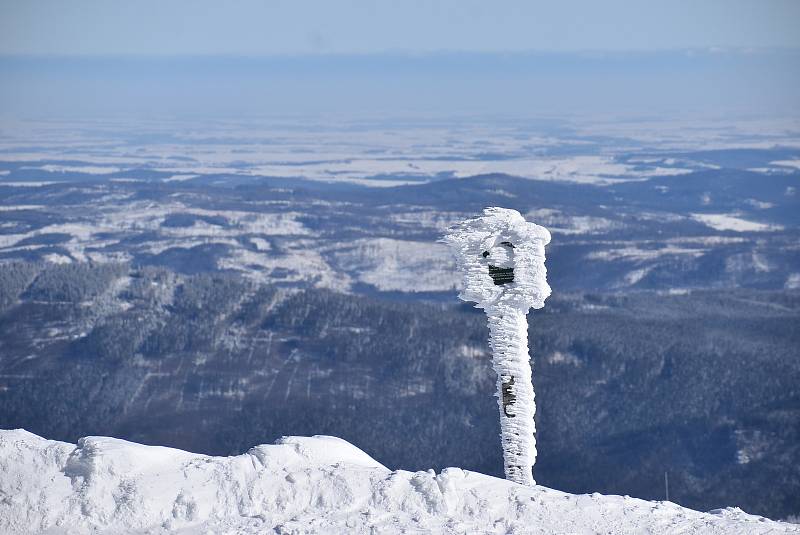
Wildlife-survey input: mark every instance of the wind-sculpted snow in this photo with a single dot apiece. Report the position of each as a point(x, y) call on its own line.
point(317, 484)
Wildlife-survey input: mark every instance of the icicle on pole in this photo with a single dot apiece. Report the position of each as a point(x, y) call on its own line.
point(502, 259)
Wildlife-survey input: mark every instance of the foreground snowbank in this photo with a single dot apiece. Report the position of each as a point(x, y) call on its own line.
point(301, 485)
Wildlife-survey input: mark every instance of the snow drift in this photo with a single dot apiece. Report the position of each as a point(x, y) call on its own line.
point(314, 484)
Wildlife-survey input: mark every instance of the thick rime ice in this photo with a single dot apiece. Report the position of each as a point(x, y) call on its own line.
point(508, 338)
point(502, 257)
point(301, 485)
point(509, 240)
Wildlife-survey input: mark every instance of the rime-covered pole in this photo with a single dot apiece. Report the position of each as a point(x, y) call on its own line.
point(508, 338)
point(502, 258)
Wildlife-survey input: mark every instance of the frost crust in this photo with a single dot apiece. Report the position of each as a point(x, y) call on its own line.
point(502, 259)
point(471, 238)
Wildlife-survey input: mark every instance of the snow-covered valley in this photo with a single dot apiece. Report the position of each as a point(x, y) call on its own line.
point(358, 208)
point(210, 287)
point(316, 484)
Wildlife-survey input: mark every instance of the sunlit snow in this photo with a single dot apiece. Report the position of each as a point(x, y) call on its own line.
point(314, 484)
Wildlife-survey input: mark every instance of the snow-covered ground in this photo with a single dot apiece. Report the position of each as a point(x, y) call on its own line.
point(314, 484)
point(733, 222)
point(383, 153)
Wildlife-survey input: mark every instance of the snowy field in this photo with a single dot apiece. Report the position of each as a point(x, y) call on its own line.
point(357, 205)
point(317, 484)
point(377, 153)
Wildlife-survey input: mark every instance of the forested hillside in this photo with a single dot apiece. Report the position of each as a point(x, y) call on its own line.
point(702, 385)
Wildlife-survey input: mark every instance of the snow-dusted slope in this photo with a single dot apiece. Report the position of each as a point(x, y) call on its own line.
point(301, 485)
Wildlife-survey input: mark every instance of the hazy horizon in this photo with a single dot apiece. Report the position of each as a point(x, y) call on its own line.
point(203, 58)
point(665, 83)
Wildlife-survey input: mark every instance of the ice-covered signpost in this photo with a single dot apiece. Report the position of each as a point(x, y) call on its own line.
point(502, 259)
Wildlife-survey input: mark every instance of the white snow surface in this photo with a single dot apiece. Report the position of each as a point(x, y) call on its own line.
point(733, 222)
point(316, 484)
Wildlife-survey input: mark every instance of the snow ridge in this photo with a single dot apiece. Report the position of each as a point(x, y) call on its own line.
point(314, 484)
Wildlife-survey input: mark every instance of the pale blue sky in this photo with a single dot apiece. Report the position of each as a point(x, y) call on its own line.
point(277, 27)
point(202, 57)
